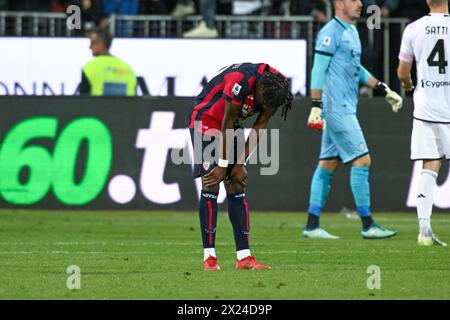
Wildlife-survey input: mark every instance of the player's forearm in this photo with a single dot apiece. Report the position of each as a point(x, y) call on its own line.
point(318, 72)
point(372, 82)
point(227, 129)
point(251, 143)
point(254, 137)
point(403, 76)
point(316, 94)
point(366, 78)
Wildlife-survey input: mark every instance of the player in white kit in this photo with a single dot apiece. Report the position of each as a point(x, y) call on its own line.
point(427, 42)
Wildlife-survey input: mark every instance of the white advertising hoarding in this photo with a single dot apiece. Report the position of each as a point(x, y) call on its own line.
point(52, 66)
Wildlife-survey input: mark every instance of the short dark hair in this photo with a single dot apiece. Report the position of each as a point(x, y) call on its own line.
point(277, 92)
point(104, 35)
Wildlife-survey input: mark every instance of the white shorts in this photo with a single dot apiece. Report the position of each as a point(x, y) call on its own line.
point(430, 141)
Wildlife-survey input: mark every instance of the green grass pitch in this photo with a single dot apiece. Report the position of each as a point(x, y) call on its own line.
point(158, 255)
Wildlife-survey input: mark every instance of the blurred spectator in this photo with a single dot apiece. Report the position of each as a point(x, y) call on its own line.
point(3, 5)
point(207, 27)
point(248, 29)
point(183, 8)
point(386, 6)
point(121, 7)
point(283, 7)
point(59, 5)
point(224, 7)
point(106, 75)
point(316, 8)
point(29, 5)
point(251, 7)
point(157, 7)
point(412, 9)
point(91, 14)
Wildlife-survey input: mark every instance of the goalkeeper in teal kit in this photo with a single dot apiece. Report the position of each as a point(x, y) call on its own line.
point(335, 78)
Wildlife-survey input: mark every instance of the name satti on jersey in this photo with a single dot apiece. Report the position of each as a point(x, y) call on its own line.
point(436, 30)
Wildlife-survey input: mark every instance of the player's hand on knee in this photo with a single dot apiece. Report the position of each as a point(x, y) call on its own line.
point(215, 176)
point(239, 175)
point(315, 120)
point(392, 97)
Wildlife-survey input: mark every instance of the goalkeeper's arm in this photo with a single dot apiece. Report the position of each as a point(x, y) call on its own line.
point(321, 63)
point(392, 97)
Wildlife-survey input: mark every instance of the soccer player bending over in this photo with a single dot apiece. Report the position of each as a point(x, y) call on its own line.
point(236, 93)
point(335, 78)
point(427, 41)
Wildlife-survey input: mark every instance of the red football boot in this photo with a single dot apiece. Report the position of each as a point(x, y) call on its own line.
point(210, 264)
point(250, 263)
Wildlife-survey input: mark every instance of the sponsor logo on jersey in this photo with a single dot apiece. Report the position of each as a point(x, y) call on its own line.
point(362, 145)
point(326, 41)
point(236, 89)
point(435, 84)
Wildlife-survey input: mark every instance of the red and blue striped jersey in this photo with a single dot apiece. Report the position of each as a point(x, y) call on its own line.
point(235, 83)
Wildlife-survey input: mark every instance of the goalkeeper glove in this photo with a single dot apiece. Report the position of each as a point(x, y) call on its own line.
point(392, 97)
point(315, 116)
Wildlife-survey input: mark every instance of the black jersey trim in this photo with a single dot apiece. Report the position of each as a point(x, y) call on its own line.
point(324, 53)
point(429, 121)
point(357, 157)
point(428, 159)
point(343, 26)
point(208, 106)
point(332, 158)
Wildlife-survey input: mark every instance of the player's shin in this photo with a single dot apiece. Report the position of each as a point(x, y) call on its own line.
point(208, 222)
point(359, 182)
point(320, 188)
point(425, 200)
point(240, 220)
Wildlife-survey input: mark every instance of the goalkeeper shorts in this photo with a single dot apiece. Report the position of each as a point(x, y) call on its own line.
point(342, 138)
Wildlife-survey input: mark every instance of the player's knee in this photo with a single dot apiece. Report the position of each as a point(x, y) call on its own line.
point(213, 189)
point(331, 164)
point(233, 187)
point(433, 165)
point(363, 161)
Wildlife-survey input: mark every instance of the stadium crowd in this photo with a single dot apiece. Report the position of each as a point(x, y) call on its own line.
point(96, 13)
point(412, 9)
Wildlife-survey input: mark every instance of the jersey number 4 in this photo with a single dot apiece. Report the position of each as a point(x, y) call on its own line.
point(439, 50)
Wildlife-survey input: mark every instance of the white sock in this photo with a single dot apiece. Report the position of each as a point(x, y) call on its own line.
point(427, 182)
point(208, 252)
point(241, 254)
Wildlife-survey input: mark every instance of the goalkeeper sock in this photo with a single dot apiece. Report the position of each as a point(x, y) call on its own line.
point(239, 218)
point(320, 188)
point(359, 183)
point(313, 221)
point(208, 218)
point(425, 200)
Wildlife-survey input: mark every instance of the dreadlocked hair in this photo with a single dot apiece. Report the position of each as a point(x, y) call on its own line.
point(277, 92)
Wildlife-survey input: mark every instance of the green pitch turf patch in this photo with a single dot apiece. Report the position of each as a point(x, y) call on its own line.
point(158, 255)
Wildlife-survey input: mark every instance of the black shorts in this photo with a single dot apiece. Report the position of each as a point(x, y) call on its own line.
point(206, 159)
